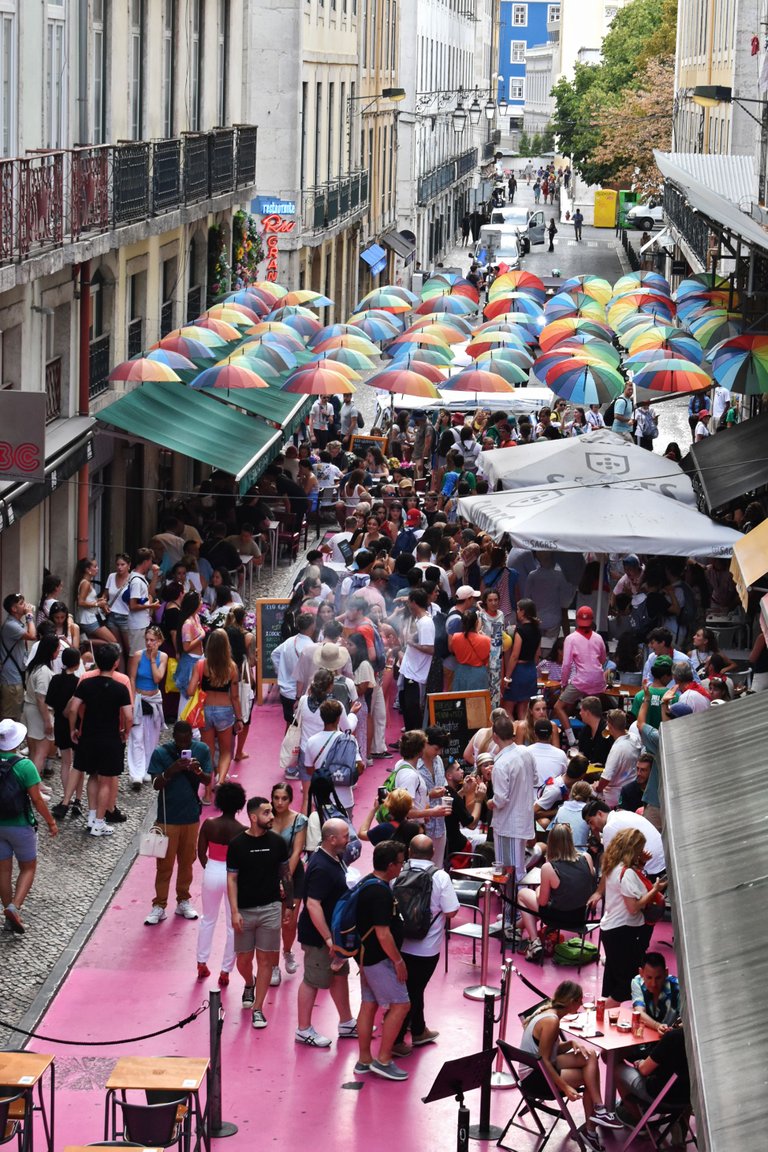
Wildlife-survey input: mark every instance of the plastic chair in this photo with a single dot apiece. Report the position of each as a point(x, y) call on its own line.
point(154, 1125)
point(11, 1119)
point(554, 1106)
point(663, 1114)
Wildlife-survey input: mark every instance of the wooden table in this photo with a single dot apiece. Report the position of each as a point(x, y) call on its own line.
point(182, 1074)
point(20, 1072)
point(613, 1044)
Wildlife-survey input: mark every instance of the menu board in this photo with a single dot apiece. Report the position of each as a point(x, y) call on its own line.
point(461, 714)
point(360, 444)
point(269, 620)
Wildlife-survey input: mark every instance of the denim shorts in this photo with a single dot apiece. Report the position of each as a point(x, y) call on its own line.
point(219, 716)
point(379, 985)
point(19, 840)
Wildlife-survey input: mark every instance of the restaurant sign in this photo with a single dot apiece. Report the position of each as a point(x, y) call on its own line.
point(274, 226)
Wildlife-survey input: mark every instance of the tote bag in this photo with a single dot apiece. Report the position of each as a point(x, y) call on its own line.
point(155, 842)
point(289, 749)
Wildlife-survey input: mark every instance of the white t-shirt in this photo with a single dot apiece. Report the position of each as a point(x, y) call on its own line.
point(114, 595)
point(138, 618)
point(620, 769)
point(444, 899)
point(340, 537)
point(618, 821)
point(328, 475)
point(315, 750)
point(408, 778)
point(549, 761)
point(696, 701)
point(416, 665)
point(701, 429)
point(321, 413)
point(621, 882)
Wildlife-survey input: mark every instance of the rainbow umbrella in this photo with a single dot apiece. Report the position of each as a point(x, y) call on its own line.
point(460, 323)
point(699, 300)
point(277, 356)
point(640, 322)
point(638, 295)
point(593, 286)
point(653, 280)
point(405, 382)
point(384, 301)
point(256, 301)
point(415, 363)
point(647, 305)
point(396, 289)
point(175, 360)
point(699, 281)
point(573, 304)
point(286, 310)
point(357, 360)
point(655, 330)
point(315, 381)
point(570, 326)
point(511, 322)
point(345, 370)
point(303, 326)
point(583, 383)
point(202, 334)
point(228, 332)
point(488, 341)
point(673, 376)
point(445, 332)
point(597, 349)
point(269, 372)
point(741, 364)
point(647, 356)
point(143, 369)
point(269, 288)
point(417, 337)
point(510, 371)
point(559, 355)
point(378, 314)
point(357, 342)
point(185, 346)
point(514, 302)
point(374, 329)
point(453, 305)
point(521, 357)
point(479, 380)
point(229, 376)
point(306, 296)
point(276, 326)
point(287, 339)
point(517, 280)
point(715, 326)
point(434, 288)
point(238, 315)
point(447, 277)
point(330, 330)
point(679, 342)
point(439, 357)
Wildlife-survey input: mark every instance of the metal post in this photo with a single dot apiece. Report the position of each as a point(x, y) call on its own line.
point(217, 1127)
point(483, 989)
point(500, 1078)
point(485, 1130)
point(462, 1133)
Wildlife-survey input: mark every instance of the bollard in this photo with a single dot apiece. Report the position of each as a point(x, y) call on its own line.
point(217, 1127)
point(484, 1130)
point(483, 989)
point(500, 1078)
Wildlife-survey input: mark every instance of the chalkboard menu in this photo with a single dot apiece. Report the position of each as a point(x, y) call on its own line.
point(269, 620)
point(361, 444)
point(461, 714)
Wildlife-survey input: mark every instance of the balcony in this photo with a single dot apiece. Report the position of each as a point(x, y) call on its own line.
point(330, 203)
point(53, 390)
point(51, 198)
point(136, 337)
point(98, 366)
point(445, 175)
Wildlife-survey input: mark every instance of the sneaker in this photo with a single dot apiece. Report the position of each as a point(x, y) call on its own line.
point(403, 1049)
point(248, 996)
point(535, 952)
point(291, 774)
point(59, 811)
point(115, 816)
point(146, 778)
point(203, 971)
point(607, 1119)
point(388, 1071)
point(426, 1037)
point(276, 977)
point(91, 819)
point(223, 980)
point(361, 1069)
point(381, 755)
point(75, 809)
point(258, 1020)
point(348, 1031)
point(592, 1139)
point(290, 963)
point(185, 909)
point(311, 1038)
point(156, 915)
point(14, 920)
point(101, 828)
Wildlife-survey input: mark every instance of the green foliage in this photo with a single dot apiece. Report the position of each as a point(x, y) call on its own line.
point(548, 139)
point(524, 147)
point(536, 145)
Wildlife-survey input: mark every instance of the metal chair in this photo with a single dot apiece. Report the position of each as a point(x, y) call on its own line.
point(660, 1117)
point(468, 894)
point(551, 1103)
point(155, 1125)
point(12, 1112)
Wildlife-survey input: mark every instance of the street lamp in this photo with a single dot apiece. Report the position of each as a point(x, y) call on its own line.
point(459, 119)
point(503, 106)
point(490, 108)
point(475, 112)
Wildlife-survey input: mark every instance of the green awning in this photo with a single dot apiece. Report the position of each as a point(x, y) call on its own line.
point(285, 410)
point(185, 421)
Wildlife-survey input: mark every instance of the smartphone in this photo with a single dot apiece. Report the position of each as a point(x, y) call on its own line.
point(186, 754)
point(382, 795)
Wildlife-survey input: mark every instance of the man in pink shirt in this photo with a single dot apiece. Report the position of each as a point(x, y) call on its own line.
point(583, 659)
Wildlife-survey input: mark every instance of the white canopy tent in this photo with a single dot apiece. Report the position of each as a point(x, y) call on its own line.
point(608, 519)
point(593, 460)
point(523, 401)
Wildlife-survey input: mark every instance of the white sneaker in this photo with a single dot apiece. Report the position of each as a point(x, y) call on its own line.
point(185, 909)
point(276, 977)
point(146, 778)
point(156, 915)
point(290, 963)
point(101, 828)
point(311, 1038)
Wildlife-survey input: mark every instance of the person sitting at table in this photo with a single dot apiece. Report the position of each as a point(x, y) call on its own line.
point(656, 994)
point(467, 791)
point(524, 729)
point(572, 1069)
point(631, 795)
point(570, 813)
point(705, 646)
point(621, 762)
point(557, 788)
point(550, 761)
point(640, 1083)
point(593, 741)
point(560, 901)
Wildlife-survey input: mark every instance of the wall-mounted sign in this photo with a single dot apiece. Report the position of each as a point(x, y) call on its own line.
point(22, 435)
point(272, 206)
point(273, 226)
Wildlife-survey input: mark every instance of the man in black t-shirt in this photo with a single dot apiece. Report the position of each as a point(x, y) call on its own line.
point(218, 551)
point(467, 793)
point(644, 1080)
point(258, 879)
point(100, 717)
point(593, 739)
point(382, 968)
point(325, 883)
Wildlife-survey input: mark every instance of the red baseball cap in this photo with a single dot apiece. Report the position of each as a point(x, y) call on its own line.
point(585, 615)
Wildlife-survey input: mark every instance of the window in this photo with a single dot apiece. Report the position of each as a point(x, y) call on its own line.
point(520, 15)
point(516, 88)
point(553, 13)
point(98, 48)
point(221, 58)
point(193, 112)
point(517, 52)
point(168, 30)
point(136, 62)
point(56, 85)
point(7, 77)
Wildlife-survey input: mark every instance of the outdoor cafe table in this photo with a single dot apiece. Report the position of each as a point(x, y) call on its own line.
point(20, 1072)
point(182, 1074)
point(612, 1044)
point(531, 879)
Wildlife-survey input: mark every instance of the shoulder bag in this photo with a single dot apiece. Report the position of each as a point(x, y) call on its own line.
point(155, 842)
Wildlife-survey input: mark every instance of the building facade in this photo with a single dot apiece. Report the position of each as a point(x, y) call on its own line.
point(523, 26)
point(120, 179)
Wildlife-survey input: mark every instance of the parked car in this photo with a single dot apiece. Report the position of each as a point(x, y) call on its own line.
point(645, 216)
point(499, 245)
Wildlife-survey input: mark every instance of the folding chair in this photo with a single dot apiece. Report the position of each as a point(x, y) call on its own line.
point(554, 1106)
point(666, 1116)
point(12, 1114)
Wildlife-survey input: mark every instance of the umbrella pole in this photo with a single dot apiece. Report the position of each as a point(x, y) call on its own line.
point(600, 581)
point(391, 422)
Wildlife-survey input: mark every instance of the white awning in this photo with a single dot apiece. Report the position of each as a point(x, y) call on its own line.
point(722, 187)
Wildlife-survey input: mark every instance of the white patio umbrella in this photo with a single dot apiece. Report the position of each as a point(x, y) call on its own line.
point(596, 458)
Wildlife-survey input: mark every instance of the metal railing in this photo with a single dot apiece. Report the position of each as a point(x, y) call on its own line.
point(446, 174)
point(166, 318)
point(195, 303)
point(329, 203)
point(53, 390)
point(98, 366)
point(135, 337)
point(692, 225)
point(50, 197)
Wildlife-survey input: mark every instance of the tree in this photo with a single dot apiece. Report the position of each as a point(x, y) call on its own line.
point(580, 106)
point(524, 147)
point(548, 139)
point(641, 122)
point(536, 145)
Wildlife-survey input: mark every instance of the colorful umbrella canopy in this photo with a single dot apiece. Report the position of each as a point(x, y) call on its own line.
point(638, 322)
point(653, 280)
point(357, 360)
point(489, 341)
point(447, 278)
point(683, 346)
point(357, 342)
point(697, 301)
point(175, 360)
point(306, 296)
point(143, 369)
point(256, 301)
point(404, 381)
point(512, 322)
point(699, 281)
point(329, 330)
point(418, 337)
point(573, 304)
point(741, 364)
point(593, 286)
point(313, 381)
point(374, 328)
point(654, 330)
point(605, 353)
point(278, 356)
point(560, 355)
point(304, 326)
point(460, 323)
point(445, 332)
point(238, 315)
point(479, 380)
point(228, 332)
point(384, 301)
point(229, 376)
point(434, 288)
point(185, 346)
point(416, 363)
point(583, 383)
point(715, 326)
point(522, 357)
point(454, 305)
point(513, 302)
point(508, 370)
point(647, 305)
point(402, 353)
point(286, 310)
point(268, 288)
point(276, 326)
point(273, 375)
point(378, 314)
point(647, 356)
point(396, 290)
point(344, 370)
point(673, 376)
point(562, 329)
point(203, 335)
point(517, 280)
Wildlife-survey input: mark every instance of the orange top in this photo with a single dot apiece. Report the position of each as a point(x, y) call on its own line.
point(473, 650)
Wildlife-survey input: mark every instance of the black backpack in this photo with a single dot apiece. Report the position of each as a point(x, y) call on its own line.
point(14, 798)
point(442, 651)
point(413, 891)
point(608, 414)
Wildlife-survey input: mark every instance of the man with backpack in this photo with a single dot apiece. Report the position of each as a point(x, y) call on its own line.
point(18, 629)
point(335, 755)
point(425, 900)
point(383, 972)
point(141, 599)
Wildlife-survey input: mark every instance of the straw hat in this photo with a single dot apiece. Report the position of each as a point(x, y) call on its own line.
point(330, 656)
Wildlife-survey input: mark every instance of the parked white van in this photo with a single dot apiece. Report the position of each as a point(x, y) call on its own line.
point(529, 223)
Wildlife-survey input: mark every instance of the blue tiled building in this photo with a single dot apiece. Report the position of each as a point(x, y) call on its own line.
point(523, 24)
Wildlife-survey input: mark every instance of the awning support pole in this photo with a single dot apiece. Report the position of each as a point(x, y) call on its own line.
point(84, 404)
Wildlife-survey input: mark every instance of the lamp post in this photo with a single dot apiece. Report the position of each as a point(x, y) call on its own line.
point(711, 95)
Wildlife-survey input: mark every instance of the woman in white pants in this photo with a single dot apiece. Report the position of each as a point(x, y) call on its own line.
point(216, 834)
point(148, 674)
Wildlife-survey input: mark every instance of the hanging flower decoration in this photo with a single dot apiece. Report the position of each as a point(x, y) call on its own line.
point(247, 249)
point(219, 270)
